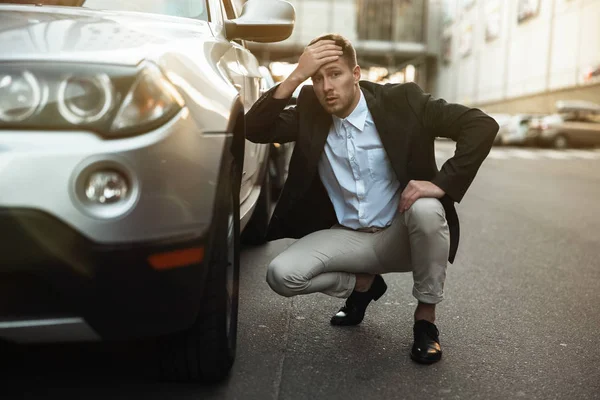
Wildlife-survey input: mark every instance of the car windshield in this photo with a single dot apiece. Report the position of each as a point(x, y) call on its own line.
point(555, 118)
point(195, 9)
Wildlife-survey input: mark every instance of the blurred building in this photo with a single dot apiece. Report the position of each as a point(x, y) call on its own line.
point(514, 56)
point(391, 36)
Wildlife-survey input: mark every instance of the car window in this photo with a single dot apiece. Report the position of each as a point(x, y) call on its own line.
point(230, 12)
point(592, 117)
point(569, 117)
point(68, 3)
point(215, 11)
point(229, 9)
point(581, 116)
point(195, 9)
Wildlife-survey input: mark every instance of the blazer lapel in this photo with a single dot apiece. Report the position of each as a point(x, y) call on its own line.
point(321, 125)
point(395, 135)
point(316, 133)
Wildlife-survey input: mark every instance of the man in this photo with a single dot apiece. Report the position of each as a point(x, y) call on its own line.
point(364, 194)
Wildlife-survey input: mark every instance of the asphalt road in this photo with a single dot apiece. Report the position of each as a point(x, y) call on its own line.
point(520, 319)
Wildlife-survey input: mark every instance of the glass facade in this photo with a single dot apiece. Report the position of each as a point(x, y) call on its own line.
point(405, 22)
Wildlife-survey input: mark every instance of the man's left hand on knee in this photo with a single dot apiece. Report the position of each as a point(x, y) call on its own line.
point(416, 190)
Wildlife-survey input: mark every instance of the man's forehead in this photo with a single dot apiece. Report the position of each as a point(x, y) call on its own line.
point(339, 63)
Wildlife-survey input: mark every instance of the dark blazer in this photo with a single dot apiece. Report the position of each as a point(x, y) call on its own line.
point(408, 121)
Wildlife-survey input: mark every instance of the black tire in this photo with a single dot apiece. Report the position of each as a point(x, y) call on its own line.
point(11, 355)
point(205, 351)
point(560, 142)
point(255, 232)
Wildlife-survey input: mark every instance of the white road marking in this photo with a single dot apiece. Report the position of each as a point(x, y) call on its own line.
point(445, 152)
point(526, 154)
point(585, 154)
point(498, 155)
point(556, 154)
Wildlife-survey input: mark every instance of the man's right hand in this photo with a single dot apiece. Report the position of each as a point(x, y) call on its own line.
point(313, 58)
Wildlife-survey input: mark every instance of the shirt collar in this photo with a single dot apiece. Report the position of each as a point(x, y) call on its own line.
point(357, 117)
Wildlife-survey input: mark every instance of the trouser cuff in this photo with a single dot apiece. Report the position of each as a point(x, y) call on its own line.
point(427, 298)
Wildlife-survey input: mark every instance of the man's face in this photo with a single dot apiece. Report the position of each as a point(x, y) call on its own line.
point(335, 86)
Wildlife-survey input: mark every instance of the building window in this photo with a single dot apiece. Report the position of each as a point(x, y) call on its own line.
point(374, 19)
point(390, 20)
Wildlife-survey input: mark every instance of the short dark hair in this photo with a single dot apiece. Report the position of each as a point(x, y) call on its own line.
point(349, 52)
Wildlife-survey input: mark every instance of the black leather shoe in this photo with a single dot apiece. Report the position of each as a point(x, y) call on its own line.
point(353, 312)
point(426, 348)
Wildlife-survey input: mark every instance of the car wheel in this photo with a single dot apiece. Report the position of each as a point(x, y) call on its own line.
point(205, 352)
point(560, 142)
point(255, 232)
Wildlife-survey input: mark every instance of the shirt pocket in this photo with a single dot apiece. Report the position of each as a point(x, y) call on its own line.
point(379, 165)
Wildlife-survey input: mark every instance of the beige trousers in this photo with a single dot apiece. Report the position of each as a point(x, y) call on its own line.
point(326, 261)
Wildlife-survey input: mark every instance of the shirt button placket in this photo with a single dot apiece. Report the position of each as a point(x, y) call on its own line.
point(349, 145)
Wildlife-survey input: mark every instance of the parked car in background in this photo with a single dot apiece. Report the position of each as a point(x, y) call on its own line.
point(502, 120)
point(577, 123)
point(126, 177)
point(539, 124)
point(514, 130)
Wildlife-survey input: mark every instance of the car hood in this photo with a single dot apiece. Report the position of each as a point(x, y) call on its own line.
point(83, 35)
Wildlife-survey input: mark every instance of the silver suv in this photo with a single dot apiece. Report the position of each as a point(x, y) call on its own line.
point(125, 176)
point(577, 124)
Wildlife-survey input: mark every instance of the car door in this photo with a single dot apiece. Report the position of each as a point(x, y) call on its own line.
point(590, 127)
point(255, 153)
point(247, 75)
point(577, 128)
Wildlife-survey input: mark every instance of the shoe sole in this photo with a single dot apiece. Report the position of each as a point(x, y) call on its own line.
point(425, 361)
point(341, 323)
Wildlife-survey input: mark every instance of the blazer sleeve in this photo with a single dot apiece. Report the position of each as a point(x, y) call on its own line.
point(471, 129)
point(269, 122)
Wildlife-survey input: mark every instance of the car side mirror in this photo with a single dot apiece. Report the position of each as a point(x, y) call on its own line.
point(262, 21)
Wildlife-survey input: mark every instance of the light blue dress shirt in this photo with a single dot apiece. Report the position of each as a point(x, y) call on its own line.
point(356, 172)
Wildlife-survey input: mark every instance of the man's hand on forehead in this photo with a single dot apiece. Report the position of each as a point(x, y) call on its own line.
point(315, 56)
point(312, 59)
point(325, 48)
point(323, 42)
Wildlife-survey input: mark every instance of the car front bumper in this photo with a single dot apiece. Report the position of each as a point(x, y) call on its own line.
point(50, 272)
point(64, 261)
point(172, 174)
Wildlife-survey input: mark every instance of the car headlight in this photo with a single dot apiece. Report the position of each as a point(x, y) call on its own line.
point(151, 98)
point(112, 101)
point(20, 96)
point(83, 100)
